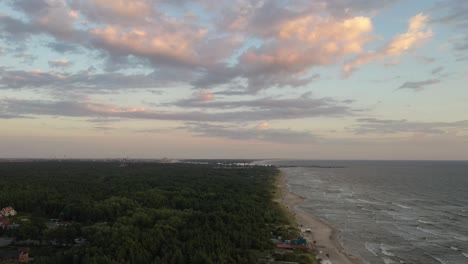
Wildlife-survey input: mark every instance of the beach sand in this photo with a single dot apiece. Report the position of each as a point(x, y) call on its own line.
point(325, 235)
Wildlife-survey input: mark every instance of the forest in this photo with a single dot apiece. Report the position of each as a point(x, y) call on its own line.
point(107, 212)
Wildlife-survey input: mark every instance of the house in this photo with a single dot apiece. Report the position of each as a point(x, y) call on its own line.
point(4, 223)
point(8, 211)
point(298, 241)
point(8, 256)
point(22, 255)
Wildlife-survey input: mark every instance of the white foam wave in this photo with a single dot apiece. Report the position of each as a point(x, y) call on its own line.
point(402, 206)
point(438, 259)
point(454, 248)
point(372, 248)
point(388, 260)
point(386, 250)
point(368, 202)
point(425, 222)
point(461, 238)
point(465, 254)
point(429, 231)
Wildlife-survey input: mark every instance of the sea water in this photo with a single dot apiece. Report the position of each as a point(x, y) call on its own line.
point(389, 211)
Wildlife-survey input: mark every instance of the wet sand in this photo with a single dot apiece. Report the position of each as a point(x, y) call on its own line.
point(325, 235)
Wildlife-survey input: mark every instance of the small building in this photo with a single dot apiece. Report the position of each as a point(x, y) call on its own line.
point(8, 211)
point(9, 256)
point(22, 255)
point(298, 241)
point(4, 223)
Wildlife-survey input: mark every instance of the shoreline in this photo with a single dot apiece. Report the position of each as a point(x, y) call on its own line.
point(324, 234)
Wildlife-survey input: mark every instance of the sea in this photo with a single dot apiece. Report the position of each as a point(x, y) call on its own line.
point(389, 211)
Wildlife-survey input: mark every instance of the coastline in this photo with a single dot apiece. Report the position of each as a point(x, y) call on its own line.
point(325, 235)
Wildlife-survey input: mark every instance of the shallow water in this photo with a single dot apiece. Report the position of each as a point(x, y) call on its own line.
point(390, 211)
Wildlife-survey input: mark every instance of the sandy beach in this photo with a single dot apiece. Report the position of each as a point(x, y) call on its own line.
point(324, 235)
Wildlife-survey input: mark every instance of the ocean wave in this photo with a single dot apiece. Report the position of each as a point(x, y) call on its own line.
point(429, 231)
point(372, 248)
point(461, 237)
point(385, 250)
point(440, 260)
point(402, 206)
point(425, 222)
point(465, 254)
point(388, 260)
point(368, 202)
point(454, 248)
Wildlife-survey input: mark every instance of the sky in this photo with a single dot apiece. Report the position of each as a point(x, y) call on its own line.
point(294, 79)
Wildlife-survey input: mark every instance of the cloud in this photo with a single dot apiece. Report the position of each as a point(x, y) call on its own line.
point(254, 110)
point(420, 85)
point(15, 30)
point(453, 13)
point(382, 126)
point(437, 70)
point(61, 63)
point(112, 11)
point(285, 136)
point(293, 49)
point(263, 126)
point(417, 34)
point(300, 37)
point(63, 47)
point(167, 47)
point(275, 108)
point(18, 79)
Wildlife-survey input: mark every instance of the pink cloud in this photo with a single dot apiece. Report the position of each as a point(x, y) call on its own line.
point(302, 43)
point(205, 96)
point(127, 8)
point(116, 11)
point(263, 126)
point(177, 45)
point(416, 35)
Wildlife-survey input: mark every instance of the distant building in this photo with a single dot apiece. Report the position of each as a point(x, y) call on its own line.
point(8, 211)
point(4, 222)
point(298, 241)
point(22, 255)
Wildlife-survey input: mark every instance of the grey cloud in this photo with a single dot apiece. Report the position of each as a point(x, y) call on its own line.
point(14, 30)
point(155, 130)
point(303, 106)
point(29, 6)
point(59, 63)
point(382, 126)
point(81, 80)
point(462, 45)
point(453, 13)
point(271, 111)
point(418, 85)
point(426, 59)
point(11, 116)
point(254, 78)
point(103, 128)
point(25, 57)
point(63, 47)
point(286, 136)
point(437, 70)
point(343, 8)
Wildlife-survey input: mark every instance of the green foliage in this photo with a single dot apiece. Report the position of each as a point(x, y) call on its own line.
point(144, 213)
